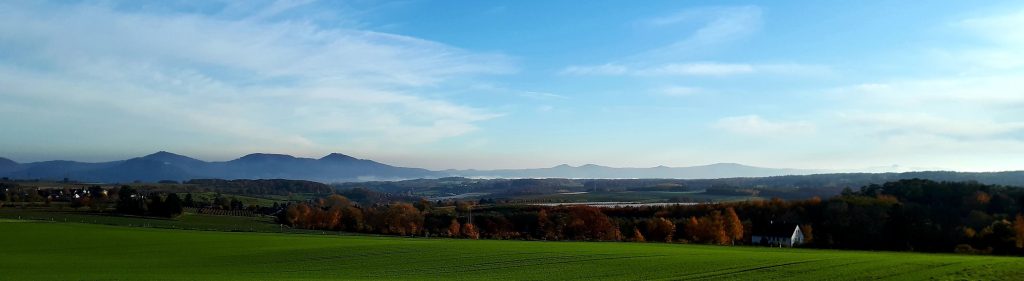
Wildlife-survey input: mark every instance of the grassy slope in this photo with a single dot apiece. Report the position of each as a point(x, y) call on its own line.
point(186, 221)
point(40, 250)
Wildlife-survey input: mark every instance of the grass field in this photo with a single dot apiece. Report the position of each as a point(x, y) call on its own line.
point(186, 221)
point(66, 251)
point(631, 196)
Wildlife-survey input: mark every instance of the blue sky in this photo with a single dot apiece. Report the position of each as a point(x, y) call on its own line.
point(514, 84)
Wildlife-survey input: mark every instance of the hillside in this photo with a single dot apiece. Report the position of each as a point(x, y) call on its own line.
point(84, 252)
point(336, 167)
point(169, 166)
point(591, 171)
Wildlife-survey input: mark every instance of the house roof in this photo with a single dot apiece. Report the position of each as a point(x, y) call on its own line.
point(774, 229)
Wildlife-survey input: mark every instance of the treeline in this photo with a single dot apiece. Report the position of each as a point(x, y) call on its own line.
point(467, 220)
point(262, 187)
point(131, 202)
point(787, 187)
point(906, 215)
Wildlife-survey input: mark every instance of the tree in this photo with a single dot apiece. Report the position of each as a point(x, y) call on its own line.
point(454, 229)
point(298, 215)
point(156, 206)
point(189, 202)
point(637, 236)
point(808, 232)
point(469, 231)
point(403, 219)
point(333, 217)
point(173, 205)
point(661, 229)
point(589, 223)
point(733, 226)
point(353, 219)
point(1018, 228)
point(545, 228)
point(336, 200)
point(712, 229)
point(221, 202)
point(130, 202)
point(693, 229)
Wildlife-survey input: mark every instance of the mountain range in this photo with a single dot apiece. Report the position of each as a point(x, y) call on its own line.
point(337, 167)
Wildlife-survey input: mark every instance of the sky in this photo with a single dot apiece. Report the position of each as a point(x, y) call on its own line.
point(842, 85)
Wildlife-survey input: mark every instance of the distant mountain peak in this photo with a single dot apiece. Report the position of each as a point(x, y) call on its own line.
point(727, 164)
point(7, 162)
point(167, 157)
point(164, 154)
point(338, 157)
point(265, 157)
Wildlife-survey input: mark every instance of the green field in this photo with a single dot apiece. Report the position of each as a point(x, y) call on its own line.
point(66, 251)
point(629, 196)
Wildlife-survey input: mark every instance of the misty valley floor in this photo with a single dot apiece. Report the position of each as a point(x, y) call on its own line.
point(62, 251)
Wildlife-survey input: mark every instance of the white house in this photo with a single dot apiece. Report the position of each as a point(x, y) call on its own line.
point(777, 235)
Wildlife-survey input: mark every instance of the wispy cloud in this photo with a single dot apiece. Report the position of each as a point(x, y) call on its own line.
point(260, 82)
point(679, 91)
point(718, 25)
point(754, 125)
point(542, 95)
point(603, 69)
point(696, 69)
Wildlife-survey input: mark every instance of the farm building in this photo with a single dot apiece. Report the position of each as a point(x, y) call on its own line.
point(777, 234)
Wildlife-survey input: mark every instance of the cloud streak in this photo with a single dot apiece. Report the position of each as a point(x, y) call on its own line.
point(268, 84)
point(695, 69)
point(754, 125)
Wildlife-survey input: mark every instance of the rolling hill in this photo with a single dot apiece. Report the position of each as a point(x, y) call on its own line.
point(169, 166)
point(338, 167)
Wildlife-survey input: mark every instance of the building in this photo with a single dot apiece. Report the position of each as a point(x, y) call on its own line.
point(777, 235)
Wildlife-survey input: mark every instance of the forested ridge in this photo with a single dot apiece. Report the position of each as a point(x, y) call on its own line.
point(905, 215)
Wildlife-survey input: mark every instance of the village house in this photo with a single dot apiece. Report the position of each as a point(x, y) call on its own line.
point(777, 235)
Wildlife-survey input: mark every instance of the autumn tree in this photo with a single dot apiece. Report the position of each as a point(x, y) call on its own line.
point(589, 223)
point(808, 232)
point(352, 219)
point(733, 226)
point(454, 229)
point(1018, 229)
point(469, 231)
point(693, 229)
point(637, 236)
point(661, 229)
point(403, 219)
point(545, 227)
point(299, 215)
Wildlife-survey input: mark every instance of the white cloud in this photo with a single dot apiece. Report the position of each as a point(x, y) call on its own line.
point(980, 92)
point(754, 125)
point(1002, 28)
point(696, 69)
point(998, 44)
point(679, 91)
point(719, 25)
point(604, 69)
point(267, 84)
point(542, 95)
point(894, 123)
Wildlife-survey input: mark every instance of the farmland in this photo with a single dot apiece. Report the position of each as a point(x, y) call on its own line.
point(61, 251)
